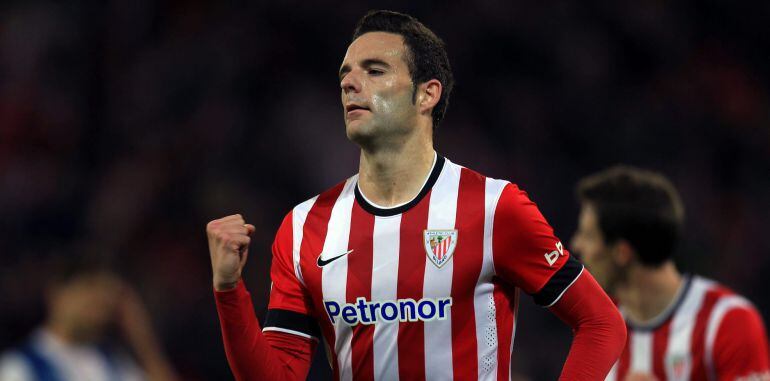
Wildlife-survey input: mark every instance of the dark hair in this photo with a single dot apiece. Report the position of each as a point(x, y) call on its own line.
point(426, 53)
point(68, 269)
point(639, 206)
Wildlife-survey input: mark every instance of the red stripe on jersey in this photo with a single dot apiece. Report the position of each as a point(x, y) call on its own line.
point(698, 341)
point(505, 310)
point(313, 236)
point(467, 257)
point(659, 345)
point(282, 271)
point(359, 284)
point(625, 358)
point(411, 270)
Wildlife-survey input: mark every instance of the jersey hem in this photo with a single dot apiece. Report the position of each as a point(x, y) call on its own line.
point(289, 331)
point(559, 282)
point(293, 321)
point(566, 288)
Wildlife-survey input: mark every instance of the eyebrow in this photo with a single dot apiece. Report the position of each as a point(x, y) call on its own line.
point(365, 63)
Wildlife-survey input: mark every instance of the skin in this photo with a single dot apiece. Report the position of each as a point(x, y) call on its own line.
point(636, 376)
point(603, 259)
point(81, 311)
point(643, 291)
point(374, 75)
point(394, 132)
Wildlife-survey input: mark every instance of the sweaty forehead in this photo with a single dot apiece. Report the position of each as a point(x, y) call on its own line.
point(375, 45)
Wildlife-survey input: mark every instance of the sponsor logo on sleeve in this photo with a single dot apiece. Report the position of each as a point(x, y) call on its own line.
point(553, 256)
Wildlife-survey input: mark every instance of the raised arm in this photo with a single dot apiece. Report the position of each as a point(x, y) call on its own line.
point(252, 355)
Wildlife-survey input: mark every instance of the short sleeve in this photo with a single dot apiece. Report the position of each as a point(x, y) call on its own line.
point(740, 348)
point(13, 367)
point(525, 251)
point(290, 306)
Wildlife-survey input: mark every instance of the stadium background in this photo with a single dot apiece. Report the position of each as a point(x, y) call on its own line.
point(126, 125)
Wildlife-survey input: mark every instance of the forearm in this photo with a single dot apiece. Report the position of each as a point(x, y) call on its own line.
point(154, 362)
point(599, 330)
point(253, 355)
point(136, 325)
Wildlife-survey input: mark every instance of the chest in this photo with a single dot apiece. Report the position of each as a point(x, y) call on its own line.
point(668, 353)
point(397, 259)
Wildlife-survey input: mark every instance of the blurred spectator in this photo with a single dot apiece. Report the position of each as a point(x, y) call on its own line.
point(85, 301)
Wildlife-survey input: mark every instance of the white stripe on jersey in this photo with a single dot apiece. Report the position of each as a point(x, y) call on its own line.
point(513, 333)
point(386, 243)
point(641, 352)
point(613, 374)
point(678, 362)
point(298, 217)
point(483, 298)
point(721, 308)
point(334, 277)
point(437, 282)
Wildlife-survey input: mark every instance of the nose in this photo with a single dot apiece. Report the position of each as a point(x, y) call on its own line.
point(350, 83)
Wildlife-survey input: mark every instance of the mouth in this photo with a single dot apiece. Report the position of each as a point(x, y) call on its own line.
point(354, 107)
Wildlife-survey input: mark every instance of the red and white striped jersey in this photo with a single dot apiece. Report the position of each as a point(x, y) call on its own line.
point(707, 333)
point(424, 290)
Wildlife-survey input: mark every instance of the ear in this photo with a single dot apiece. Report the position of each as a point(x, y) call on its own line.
point(428, 95)
point(622, 253)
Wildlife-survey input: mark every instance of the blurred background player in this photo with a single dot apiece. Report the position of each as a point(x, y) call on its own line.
point(84, 302)
point(411, 231)
point(680, 326)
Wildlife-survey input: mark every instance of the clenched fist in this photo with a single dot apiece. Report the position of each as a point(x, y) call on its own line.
point(229, 247)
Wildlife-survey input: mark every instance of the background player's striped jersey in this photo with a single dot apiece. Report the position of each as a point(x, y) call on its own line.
point(708, 333)
point(424, 290)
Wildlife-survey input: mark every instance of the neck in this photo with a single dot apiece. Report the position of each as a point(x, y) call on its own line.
point(395, 175)
point(647, 291)
point(60, 331)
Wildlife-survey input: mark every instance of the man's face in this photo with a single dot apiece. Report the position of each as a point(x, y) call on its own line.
point(589, 242)
point(86, 305)
point(377, 89)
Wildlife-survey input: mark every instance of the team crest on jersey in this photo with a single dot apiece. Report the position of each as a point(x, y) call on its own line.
point(440, 245)
point(678, 367)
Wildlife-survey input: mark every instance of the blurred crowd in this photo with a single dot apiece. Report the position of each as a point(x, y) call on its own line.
point(125, 126)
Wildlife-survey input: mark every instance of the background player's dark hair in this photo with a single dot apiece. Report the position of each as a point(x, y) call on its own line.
point(639, 206)
point(426, 53)
point(67, 269)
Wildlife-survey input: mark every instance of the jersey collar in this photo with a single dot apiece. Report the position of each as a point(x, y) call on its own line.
point(657, 322)
point(438, 165)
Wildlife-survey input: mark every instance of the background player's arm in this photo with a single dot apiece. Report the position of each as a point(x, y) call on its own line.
point(251, 354)
point(528, 255)
point(136, 326)
point(740, 347)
